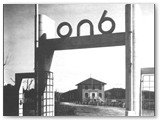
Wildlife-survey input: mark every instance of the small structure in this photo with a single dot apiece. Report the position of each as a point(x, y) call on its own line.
point(147, 86)
point(89, 91)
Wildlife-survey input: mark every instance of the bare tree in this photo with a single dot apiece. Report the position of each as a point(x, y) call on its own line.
point(12, 80)
point(28, 85)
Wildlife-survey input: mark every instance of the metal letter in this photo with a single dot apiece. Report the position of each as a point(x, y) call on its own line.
point(103, 18)
point(60, 26)
point(82, 22)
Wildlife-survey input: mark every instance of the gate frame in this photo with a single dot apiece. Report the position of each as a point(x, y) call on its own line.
point(19, 77)
point(44, 54)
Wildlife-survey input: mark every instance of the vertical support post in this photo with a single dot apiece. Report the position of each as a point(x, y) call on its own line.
point(141, 84)
point(138, 37)
point(36, 56)
point(133, 37)
point(129, 59)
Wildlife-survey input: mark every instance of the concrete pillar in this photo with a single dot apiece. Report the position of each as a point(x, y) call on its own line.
point(138, 38)
point(129, 59)
point(46, 31)
point(132, 60)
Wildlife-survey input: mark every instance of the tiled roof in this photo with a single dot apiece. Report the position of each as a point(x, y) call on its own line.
point(91, 81)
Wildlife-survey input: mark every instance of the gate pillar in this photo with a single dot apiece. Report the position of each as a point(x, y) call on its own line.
point(133, 34)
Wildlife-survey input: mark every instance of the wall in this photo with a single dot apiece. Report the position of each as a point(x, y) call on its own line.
point(90, 89)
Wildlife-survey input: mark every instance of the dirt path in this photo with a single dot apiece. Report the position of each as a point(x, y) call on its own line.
point(89, 110)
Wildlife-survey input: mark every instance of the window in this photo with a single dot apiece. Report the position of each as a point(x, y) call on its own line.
point(93, 95)
point(86, 87)
point(100, 95)
point(93, 87)
point(100, 87)
point(86, 95)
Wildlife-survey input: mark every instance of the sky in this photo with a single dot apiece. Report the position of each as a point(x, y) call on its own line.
point(70, 67)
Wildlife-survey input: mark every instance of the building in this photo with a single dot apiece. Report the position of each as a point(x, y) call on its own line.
point(87, 92)
point(115, 97)
point(115, 93)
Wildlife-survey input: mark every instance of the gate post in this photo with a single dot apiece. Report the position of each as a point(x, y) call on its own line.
point(129, 59)
point(132, 60)
point(43, 59)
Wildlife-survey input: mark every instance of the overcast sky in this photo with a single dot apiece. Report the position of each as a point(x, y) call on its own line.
point(70, 67)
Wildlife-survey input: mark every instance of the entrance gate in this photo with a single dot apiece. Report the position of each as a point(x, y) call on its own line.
point(44, 50)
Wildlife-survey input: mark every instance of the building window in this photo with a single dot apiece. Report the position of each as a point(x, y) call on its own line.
point(93, 95)
point(86, 95)
point(93, 87)
point(100, 95)
point(100, 87)
point(86, 87)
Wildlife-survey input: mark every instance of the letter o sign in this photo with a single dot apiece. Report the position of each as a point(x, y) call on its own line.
point(59, 28)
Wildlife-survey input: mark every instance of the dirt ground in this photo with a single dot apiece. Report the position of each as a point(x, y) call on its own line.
point(89, 110)
point(71, 109)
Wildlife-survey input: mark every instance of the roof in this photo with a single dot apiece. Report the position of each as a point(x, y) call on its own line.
point(91, 81)
point(115, 89)
point(74, 90)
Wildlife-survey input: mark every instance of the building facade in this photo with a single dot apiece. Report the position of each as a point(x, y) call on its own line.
point(88, 91)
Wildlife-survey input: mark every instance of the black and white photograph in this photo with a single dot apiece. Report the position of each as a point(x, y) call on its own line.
point(79, 59)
